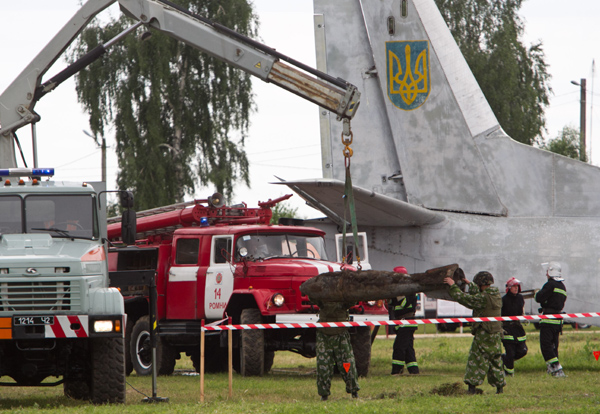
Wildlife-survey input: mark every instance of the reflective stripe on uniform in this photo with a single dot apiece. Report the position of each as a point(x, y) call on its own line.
point(552, 321)
point(561, 291)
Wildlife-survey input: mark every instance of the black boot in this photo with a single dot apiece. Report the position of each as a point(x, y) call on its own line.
point(413, 370)
point(499, 389)
point(323, 398)
point(397, 369)
point(473, 390)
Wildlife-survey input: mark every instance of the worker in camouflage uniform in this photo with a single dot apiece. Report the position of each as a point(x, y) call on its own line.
point(334, 348)
point(485, 356)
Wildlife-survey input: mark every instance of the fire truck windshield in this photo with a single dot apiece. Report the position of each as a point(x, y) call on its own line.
point(271, 245)
point(68, 215)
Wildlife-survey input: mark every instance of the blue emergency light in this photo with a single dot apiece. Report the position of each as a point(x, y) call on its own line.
point(27, 172)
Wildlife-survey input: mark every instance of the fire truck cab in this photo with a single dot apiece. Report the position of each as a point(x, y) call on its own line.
point(227, 262)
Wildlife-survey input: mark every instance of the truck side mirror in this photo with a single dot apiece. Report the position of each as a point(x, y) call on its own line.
point(128, 227)
point(126, 198)
point(128, 220)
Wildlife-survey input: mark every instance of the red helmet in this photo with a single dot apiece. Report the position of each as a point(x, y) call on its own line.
point(513, 281)
point(400, 269)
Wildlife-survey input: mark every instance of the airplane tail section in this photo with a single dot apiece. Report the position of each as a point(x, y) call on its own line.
point(424, 133)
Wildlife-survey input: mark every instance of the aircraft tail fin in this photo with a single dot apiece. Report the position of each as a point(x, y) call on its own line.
point(424, 132)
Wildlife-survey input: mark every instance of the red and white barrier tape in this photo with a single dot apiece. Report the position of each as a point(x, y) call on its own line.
point(397, 322)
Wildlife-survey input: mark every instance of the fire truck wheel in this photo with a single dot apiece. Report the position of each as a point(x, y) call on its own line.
point(107, 383)
point(361, 345)
point(141, 350)
point(252, 345)
point(128, 362)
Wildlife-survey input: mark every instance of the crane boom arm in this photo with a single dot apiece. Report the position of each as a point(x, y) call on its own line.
point(333, 94)
point(17, 102)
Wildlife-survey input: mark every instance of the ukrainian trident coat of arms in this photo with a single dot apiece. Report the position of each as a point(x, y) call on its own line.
point(408, 73)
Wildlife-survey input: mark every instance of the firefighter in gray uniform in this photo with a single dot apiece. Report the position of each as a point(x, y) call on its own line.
point(485, 356)
point(334, 349)
point(552, 298)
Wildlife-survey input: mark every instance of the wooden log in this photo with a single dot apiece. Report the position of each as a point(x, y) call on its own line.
point(355, 286)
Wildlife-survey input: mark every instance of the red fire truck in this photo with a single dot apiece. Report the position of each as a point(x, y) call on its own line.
point(213, 261)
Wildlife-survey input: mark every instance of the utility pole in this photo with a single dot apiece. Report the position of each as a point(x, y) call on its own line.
point(582, 101)
point(103, 160)
point(103, 147)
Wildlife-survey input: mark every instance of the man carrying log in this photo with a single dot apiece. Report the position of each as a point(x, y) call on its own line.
point(485, 356)
point(334, 348)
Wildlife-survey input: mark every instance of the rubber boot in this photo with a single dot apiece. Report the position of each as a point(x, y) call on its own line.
point(397, 369)
point(473, 390)
point(499, 390)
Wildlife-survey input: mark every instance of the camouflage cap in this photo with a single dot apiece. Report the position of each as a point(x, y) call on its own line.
point(483, 279)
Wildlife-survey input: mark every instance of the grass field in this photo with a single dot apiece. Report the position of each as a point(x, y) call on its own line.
point(291, 386)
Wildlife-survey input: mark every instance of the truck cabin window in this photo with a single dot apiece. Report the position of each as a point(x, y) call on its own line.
point(187, 251)
point(58, 215)
point(274, 245)
point(10, 221)
point(222, 249)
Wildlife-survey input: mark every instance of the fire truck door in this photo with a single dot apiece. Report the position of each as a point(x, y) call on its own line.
point(219, 278)
point(183, 276)
point(183, 279)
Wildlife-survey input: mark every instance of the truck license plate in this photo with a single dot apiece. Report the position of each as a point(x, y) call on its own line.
point(33, 320)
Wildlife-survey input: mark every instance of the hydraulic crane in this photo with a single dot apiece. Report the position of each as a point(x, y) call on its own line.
point(17, 102)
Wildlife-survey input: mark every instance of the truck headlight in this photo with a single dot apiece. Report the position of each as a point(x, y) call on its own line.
point(278, 300)
point(107, 325)
point(103, 326)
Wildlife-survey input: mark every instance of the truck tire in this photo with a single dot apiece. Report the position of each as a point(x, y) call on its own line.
point(107, 379)
point(141, 350)
point(252, 345)
point(361, 345)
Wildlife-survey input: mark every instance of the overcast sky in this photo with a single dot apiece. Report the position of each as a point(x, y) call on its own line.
point(284, 137)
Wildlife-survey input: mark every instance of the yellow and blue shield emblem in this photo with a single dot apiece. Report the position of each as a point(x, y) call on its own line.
point(408, 73)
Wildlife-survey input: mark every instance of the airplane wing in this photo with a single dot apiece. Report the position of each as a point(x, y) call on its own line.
point(372, 209)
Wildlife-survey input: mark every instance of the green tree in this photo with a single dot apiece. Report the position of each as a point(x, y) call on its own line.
point(566, 143)
point(180, 117)
point(283, 210)
point(514, 78)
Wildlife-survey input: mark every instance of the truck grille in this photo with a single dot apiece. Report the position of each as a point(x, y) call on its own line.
point(39, 296)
